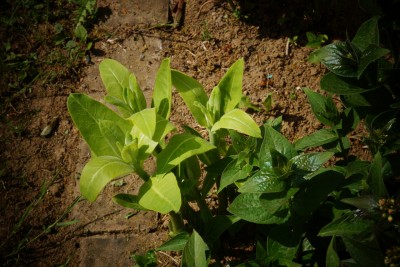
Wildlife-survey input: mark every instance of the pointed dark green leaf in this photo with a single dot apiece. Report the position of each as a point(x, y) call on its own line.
point(318, 138)
point(375, 177)
point(232, 173)
point(315, 191)
point(275, 140)
point(370, 55)
point(367, 34)
point(341, 86)
point(194, 253)
point(323, 108)
point(346, 225)
point(332, 258)
point(176, 243)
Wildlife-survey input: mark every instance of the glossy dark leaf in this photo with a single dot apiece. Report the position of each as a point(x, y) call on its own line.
point(274, 140)
point(323, 107)
point(370, 55)
point(367, 34)
point(341, 59)
point(315, 191)
point(342, 86)
point(263, 209)
point(375, 177)
point(318, 138)
point(263, 181)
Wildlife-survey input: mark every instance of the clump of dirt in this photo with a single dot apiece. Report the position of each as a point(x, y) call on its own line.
point(208, 42)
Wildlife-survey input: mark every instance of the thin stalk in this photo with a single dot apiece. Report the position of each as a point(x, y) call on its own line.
point(142, 173)
point(176, 224)
point(222, 196)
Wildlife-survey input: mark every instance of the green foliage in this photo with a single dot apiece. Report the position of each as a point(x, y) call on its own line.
point(307, 213)
point(316, 40)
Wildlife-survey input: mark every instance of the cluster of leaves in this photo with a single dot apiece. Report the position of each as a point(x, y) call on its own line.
point(306, 213)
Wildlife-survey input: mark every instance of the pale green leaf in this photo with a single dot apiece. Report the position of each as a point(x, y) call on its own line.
point(113, 135)
point(161, 193)
point(191, 91)
point(231, 87)
point(98, 172)
point(128, 201)
point(240, 121)
point(115, 77)
point(162, 93)
point(87, 114)
point(179, 148)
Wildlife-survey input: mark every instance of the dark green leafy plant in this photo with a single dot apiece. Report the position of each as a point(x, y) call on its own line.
point(307, 213)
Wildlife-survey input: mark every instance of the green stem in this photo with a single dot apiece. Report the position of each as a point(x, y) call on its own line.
point(142, 173)
point(222, 196)
point(176, 223)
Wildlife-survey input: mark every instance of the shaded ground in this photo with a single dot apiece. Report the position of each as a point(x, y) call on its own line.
point(210, 39)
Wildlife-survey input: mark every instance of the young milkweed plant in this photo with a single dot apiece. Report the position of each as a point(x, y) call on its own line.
point(301, 212)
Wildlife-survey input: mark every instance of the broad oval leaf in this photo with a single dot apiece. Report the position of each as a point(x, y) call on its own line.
point(87, 114)
point(162, 93)
point(113, 135)
point(179, 148)
point(263, 181)
point(342, 59)
point(192, 92)
point(161, 193)
point(310, 161)
point(98, 172)
point(253, 207)
point(240, 121)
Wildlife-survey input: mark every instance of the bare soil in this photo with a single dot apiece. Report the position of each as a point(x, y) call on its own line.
point(209, 40)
